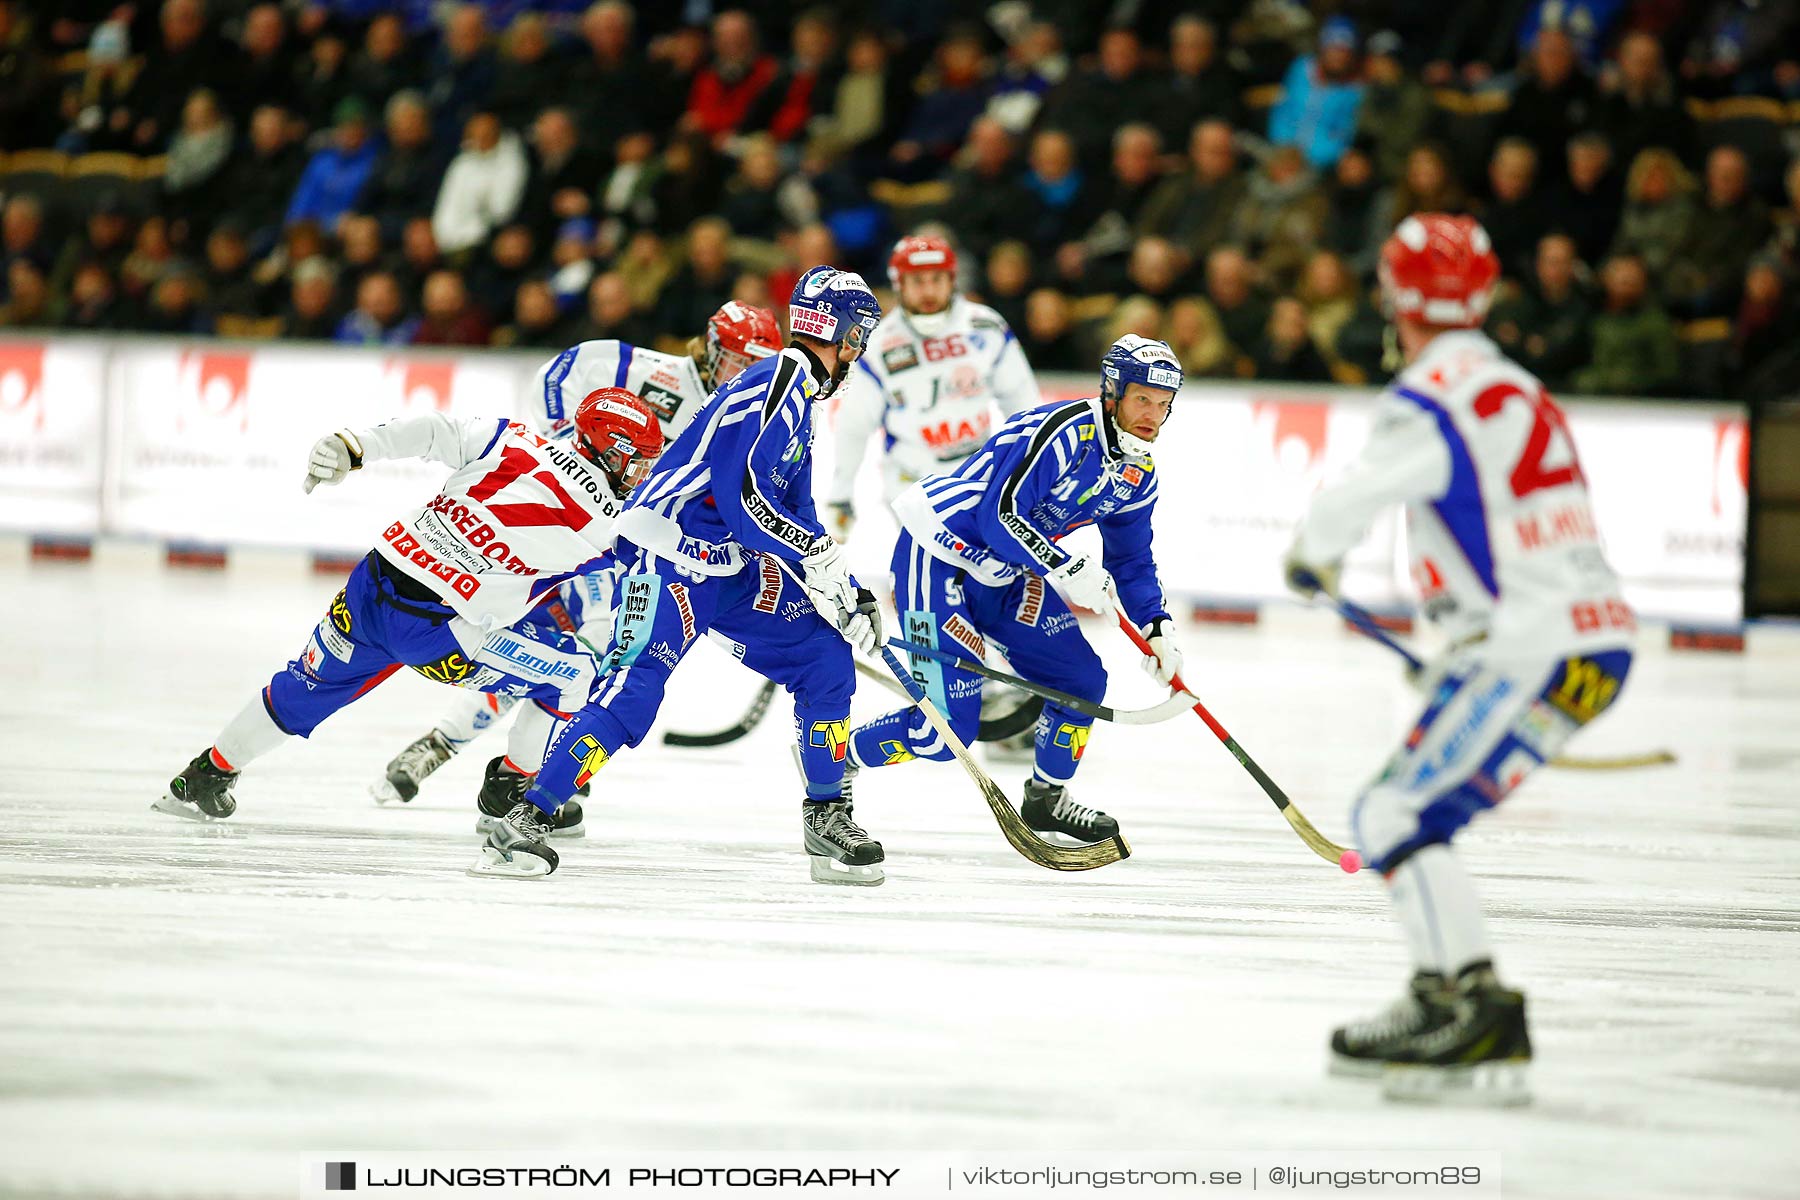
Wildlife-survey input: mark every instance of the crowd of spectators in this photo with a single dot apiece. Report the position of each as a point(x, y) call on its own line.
point(534, 172)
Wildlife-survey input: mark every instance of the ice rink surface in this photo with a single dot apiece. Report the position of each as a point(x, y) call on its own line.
point(186, 1010)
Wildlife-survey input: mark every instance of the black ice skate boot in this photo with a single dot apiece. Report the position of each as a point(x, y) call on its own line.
point(1479, 1056)
point(202, 792)
point(1360, 1049)
point(410, 768)
point(515, 847)
point(504, 788)
point(839, 849)
point(1048, 809)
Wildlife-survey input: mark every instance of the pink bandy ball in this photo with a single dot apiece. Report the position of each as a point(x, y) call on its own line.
point(1350, 861)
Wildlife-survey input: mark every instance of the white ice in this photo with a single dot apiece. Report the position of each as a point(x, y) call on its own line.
point(186, 1009)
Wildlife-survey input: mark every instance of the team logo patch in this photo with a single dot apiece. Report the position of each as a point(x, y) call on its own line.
point(685, 609)
point(896, 752)
point(1031, 601)
point(769, 599)
point(1133, 476)
point(900, 358)
point(1073, 738)
point(592, 756)
point(451, 668)
point(1087, 433)
point(965, 635)
point(831, 735)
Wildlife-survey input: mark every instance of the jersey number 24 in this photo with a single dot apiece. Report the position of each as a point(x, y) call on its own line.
point(1529, 474)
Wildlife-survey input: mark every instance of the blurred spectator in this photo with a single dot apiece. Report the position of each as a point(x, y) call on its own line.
point(753, 290)
point(199, 150)
point(1587, 204)
point(952, 97)
point(105, 238)
point(1155, 270)
point(563, 174)
point(1033, 64)
point(312, 312)
point(627, 195)
point(336, 175)
point(1641, 107)
point(482, 188)
point(1742, 47)
point(322, 81)
point(1242, 310)
point(1008, 281)
point(1588, 24)
point(858, 108)
point(739, 73)
point(187, 57)
point(1195, 208)
point(175, 305)
point(27, 303)
point(259, 183)
point(1049, 333)
point(22, 237)
point(572, 263)
point(384, 65)
point(260, 68)
point(687, 183)
point(1138, 315)
point(1320, 96)
point(450, 318)
point(1201, 84)
point(231, 286)
point(536, 322)
point(404, 183)
point(1285, 350)
point(1659, 208)
point(1784, 246)
point(1098, 257)
point(527, 74)
point(1514, 213)
point(95, 305)
point(99, 110)
point(379, 317)
point(1396, 107)
point(1554, 100)
point(610, 314)
point(150, 259)
point(609, 80)
point(702, 283)
point(759, 203)
point(1544, 321)
point(1360, 208)
point(1729, 226)
point(1428, 186)
point(1765, 349)
point(461, 75)
point(1092, 104)
point(27, 82)
point(1197, 338)
point(1060, 204)
point(1634, 348)
point(802, 88)
point(985, 192)
point(647, 267)
point(676, 60)
point(1281, 217)
point(1329, 294)
point(496, 275)
point(419, 256)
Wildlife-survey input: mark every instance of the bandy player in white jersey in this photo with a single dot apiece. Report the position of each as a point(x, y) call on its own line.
point(675, 387)
point(935, 368)
point(1505, 550)
point(444, 591)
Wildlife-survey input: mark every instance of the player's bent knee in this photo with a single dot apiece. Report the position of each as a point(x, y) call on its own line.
point(1391, 826)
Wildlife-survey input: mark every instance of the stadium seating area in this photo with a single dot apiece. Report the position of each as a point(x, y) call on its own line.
point(533, 172)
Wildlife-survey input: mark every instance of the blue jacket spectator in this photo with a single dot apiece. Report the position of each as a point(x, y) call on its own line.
point(336, 176)
point(1320, 98)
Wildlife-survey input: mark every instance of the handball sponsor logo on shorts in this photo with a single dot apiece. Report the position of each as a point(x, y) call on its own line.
point(770, 595)
point(965, 635)
point(685, 609)
point(1031, 601)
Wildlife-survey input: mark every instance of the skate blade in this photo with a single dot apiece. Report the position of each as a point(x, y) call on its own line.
point(1341, 1067)
point(184, 809)
point(826, 869)
point(1484, 1085)
point(494, 865)
point(485, 824)
point(384, 792)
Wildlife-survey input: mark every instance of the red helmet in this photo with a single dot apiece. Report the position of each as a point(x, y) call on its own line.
point(737, 335)
point(1440, 270)
point(617, 432)
point(920, 254)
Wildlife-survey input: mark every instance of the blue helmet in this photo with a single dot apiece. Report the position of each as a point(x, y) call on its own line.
point(1133, 359)
point(833, 306)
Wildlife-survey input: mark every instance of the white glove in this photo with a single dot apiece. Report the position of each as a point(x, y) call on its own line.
point(1309, 579)
point(1164, 663)
point(849, 609)
point(1084, 583)
point(333, 456)
point(840, 520)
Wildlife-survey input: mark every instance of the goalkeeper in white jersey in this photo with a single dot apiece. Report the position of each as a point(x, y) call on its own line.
point(675, 387)
point(933, 374)
point(1506, 553)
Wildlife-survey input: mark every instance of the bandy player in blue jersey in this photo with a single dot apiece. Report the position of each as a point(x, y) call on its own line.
point(1506, 552)
point(723, 540)
point(978, 546)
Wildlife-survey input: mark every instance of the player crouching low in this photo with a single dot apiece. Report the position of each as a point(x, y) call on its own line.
point(518, 516)
point(1503, 541)
point(978, 545)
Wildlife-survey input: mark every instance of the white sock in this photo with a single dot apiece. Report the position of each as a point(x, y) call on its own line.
point(529, 739)
point(472, 714)
point(250, 735)
point(1434, 898)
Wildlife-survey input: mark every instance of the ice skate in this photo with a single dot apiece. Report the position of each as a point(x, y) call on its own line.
point(202, 792)
point(839, 849)
point(1359, 1049)
point(1048, 809)
point(504, 788)
point(515, 847)
point(1480, 1055)
point(410, 768)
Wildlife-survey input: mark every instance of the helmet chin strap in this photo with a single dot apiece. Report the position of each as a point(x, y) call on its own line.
point(1121, 442)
